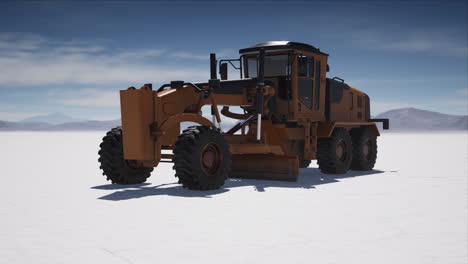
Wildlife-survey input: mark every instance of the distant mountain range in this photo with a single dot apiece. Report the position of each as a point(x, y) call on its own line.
point(412, 119)
point(405, 119)
point(54, 119)
point(69, 126)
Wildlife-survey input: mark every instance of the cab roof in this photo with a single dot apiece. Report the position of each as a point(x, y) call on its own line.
point(282, 45)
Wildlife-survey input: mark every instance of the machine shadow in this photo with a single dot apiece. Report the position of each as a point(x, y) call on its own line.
point(308, 179)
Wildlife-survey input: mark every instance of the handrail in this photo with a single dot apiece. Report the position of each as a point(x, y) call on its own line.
point(178, 84)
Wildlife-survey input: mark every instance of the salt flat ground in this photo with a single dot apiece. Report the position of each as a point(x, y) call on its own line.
point(55, 207)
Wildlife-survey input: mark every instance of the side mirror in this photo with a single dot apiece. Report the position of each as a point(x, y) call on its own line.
point(223, 71)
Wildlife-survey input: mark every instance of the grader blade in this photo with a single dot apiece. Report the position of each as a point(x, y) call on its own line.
point(265, 167)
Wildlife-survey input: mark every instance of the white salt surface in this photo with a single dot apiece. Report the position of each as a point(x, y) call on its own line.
point(55, 207)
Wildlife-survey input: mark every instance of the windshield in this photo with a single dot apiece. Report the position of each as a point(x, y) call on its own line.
point(275, 65)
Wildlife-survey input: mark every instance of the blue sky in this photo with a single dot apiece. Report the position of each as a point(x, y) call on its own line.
point(73, 57)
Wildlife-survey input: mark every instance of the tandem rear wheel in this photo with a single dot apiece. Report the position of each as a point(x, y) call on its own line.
point(355, 150)
point(364, 149)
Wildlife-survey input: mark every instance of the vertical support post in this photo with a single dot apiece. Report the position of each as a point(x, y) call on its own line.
point(310, 147)
point(313, 137)
point(307, 137)
point(215, 112)
point(260, 86)
point(213, 73)
point(213, 80)
point(213, 117)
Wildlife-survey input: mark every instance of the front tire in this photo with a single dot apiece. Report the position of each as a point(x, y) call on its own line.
point(364, 149)
point(202, 159)
point(334, 154)
point(114, 167)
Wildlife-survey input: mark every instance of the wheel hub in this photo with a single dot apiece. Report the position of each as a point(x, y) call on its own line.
point(341, 150)
point(366, 147)
point(211, 158)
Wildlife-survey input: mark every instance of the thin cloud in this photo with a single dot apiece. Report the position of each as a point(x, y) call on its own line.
point(38, 63)
point(21, 41)
point(440, 42)
point(459, 102)
point(463, 92)
point(76, 49)
point(139, 54)
point(188, 55)
point(194, 56)
point(15, 116)
point(85, 97)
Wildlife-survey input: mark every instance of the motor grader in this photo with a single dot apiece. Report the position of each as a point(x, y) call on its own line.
point(288, 113)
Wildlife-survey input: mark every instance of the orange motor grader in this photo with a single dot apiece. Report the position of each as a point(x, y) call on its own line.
point(288, 113)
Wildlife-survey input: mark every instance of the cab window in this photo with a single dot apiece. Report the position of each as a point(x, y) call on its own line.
point(275, 65)
point(305, 66)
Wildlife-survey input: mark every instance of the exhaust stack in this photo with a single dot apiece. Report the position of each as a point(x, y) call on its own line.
point(213, 73)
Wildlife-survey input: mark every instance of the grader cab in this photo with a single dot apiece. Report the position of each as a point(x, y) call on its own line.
point(288, 114)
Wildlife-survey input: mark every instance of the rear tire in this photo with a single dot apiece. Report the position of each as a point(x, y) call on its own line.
point(304, 163)
point(202, 159)
point(364, 149)
point(334, 154)
point(114, 167)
